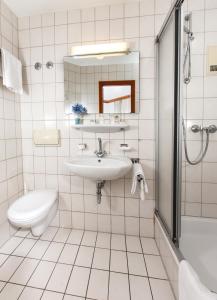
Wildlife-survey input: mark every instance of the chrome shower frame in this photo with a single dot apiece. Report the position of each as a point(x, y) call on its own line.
point(174, 235)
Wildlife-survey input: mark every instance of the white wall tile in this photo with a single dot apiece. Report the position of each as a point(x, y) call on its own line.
point(131, 9)
point(131, 27)
point(88, 14)
point(61, 18)
point(74, 33)
point(116, 29)
point(102, 12)
point(116, 11)
point(74, 16)
point(48, 19)
point(88, 32)
point(61, 34)
point(102, 30)
point(35, 21)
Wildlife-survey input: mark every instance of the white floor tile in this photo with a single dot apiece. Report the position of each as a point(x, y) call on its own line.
point(3, 258)
point(161, 289)
point(139, 288)
point(98, 285)
point(49, 234)
point(136, 264)
point(41, 275)
point(11, 292)
point(103, 240)
point(89, 238)
point(9, 267)
point(69, 297)
point(10, 245)
point(24, 271)
point(75, 237)
point(53, 252)
point(38, 249)
point(78, 281)
point(62, 235)
point(155, 267)
point(59, 278)
point(149, 246)
point(118, 261)
point(118, 287)
point(68, 254)
point(24, 248)
point(22, 232)
point(51, 296)
point(85, 256)
point(101, 259)
point(118, 242)
point(31, 236)
point(2, 284)
point(133, 244)
point(31, 293)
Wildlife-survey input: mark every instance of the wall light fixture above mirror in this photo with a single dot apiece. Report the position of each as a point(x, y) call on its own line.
point(91, 65)
point(100, 50)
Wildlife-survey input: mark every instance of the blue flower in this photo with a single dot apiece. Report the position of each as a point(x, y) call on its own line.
point(79, 109)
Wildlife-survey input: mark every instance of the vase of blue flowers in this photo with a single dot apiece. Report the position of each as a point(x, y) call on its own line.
point(79, 110)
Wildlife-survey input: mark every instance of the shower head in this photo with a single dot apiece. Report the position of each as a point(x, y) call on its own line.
point(188, 17)
point(188, 26)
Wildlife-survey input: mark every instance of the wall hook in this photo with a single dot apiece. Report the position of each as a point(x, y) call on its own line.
point(49, 65)
point(38, 66)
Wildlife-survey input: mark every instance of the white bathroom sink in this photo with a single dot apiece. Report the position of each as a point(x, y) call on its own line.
point(105, 168)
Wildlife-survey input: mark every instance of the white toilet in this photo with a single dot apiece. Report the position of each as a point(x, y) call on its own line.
point(34, 210)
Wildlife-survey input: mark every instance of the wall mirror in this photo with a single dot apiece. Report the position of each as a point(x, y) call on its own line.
point(107, 84)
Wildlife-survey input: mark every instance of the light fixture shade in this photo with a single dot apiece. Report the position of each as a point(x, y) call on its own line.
point(99, 49)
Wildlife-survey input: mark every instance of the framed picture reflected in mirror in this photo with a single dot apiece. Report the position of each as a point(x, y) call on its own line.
point(117, 96)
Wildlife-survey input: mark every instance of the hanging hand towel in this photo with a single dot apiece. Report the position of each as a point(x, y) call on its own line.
point(11, 72)
point(190, 286)
point(139, 177)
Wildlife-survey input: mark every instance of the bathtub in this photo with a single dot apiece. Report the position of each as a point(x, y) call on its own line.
point(198, 245)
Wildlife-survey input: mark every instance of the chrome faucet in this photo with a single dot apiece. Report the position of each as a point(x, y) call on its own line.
point(100, 153)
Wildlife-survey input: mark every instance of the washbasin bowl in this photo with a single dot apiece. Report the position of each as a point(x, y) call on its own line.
point(105, 168)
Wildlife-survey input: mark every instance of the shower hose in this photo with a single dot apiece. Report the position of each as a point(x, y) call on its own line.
point(203, 150)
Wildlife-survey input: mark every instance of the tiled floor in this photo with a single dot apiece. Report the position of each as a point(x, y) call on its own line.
point(77, 265)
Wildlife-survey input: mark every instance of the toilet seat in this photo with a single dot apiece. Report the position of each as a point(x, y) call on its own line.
point(32, 207)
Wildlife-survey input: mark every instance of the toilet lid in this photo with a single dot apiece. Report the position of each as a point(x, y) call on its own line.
point(32, 205)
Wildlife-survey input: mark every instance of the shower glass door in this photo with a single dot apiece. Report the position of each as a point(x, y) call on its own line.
point(168, 123)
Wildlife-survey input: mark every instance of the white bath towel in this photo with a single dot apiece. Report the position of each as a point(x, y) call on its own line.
point(190, 286)
point(11, 71)
point(139, 178)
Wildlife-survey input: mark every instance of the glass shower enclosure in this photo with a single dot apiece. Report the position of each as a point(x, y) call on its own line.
point(168, 94)
point(186, 172)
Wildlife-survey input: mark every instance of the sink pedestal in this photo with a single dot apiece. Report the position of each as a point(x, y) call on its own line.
point(99, 185)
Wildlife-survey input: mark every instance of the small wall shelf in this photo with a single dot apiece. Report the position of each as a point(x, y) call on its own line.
point(101, 127)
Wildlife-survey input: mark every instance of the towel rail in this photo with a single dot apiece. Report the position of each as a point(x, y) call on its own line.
point(139, 178)
point(135, 160)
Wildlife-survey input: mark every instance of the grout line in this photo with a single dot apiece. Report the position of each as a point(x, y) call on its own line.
point(40, 260)
point(109, 267)
point(128, 275)
point(143, 254)
point(74, 262)
point(91, 266)
point(55, 263)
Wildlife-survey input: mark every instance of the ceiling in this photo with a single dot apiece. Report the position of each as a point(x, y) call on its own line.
point(33, 7)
